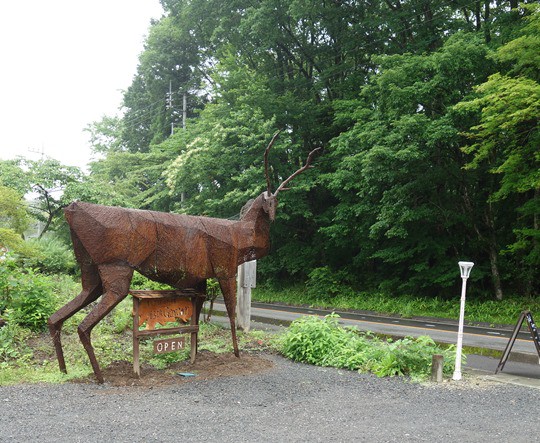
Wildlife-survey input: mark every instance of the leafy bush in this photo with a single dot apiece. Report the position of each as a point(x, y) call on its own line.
point(12, 343)
point(326, 283)
point(324, 342)
point(9, 239)
point(52, 256)
point(6, 269)
point(140, 282)
point(26, 298)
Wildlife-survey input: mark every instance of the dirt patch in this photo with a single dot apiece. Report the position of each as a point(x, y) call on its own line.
point(208, 365)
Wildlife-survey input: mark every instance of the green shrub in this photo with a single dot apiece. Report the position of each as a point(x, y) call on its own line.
point(324, 342)
point(51, 256)
point(316, 341)
point(410, 356)
point(140, 282)
point(325, 283)
point(12, 343)
point(7, 276)
point(26, 298)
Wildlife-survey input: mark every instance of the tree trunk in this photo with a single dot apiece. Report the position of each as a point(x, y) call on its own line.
point(487, 13)
point(493, 252)
point(478, 16)
point(495, 272)
point(46, 227)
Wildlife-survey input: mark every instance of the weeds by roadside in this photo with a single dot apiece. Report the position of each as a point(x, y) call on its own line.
point(310, 340)
point(494, 312)
point(323, 342)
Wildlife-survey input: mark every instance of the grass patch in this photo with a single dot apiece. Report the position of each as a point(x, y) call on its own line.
point(18, 375)
point(32, 358)
point(28, 357)
point(495, 312)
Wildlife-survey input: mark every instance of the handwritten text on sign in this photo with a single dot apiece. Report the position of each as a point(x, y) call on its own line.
point(168, 345)
point(164, 310)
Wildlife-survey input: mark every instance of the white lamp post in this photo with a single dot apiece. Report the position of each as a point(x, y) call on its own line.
point(465, 268)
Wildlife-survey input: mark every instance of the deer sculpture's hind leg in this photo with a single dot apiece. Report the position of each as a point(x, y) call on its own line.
point(228, 288)
point(92, 289)
point(116, 280)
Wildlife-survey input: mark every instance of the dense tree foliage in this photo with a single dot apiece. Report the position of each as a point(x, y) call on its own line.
point(13, 219)
point(45, 183)
point(427, 113)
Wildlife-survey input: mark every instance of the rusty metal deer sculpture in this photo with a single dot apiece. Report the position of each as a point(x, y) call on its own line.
point(180, 250)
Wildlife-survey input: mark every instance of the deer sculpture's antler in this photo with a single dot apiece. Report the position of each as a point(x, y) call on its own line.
point(266, 172)
point(282, 187)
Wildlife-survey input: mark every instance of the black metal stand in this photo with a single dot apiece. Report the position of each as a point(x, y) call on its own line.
point(525, 315)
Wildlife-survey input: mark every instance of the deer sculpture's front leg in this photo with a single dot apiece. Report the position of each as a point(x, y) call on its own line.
point(228, 288)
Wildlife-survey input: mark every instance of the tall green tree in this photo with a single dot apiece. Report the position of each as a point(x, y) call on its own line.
point(106, 135)
point(170, 71)
point(49, 178)
point(505, 142)
point(12, 175)
point(398, 176)
point(14, 219)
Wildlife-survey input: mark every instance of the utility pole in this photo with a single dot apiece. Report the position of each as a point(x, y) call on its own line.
point(41, 152)
point(184, 111)
point(170, 107)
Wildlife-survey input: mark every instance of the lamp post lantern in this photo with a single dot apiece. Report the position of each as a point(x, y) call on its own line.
point(465, 269)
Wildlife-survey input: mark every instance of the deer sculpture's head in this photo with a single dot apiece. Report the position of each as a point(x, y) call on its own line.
point(269, 197)
point(269, 205)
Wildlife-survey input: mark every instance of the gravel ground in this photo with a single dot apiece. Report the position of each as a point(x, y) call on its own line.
point(290, 402)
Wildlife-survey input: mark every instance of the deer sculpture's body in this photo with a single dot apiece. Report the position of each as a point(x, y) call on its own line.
point(180, 250)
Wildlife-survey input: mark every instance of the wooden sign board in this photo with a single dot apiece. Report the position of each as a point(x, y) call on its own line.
point(169, 345)
point(165, 306)
point(164, 310)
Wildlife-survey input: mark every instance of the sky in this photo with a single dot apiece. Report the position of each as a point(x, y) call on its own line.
point(64, 64)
